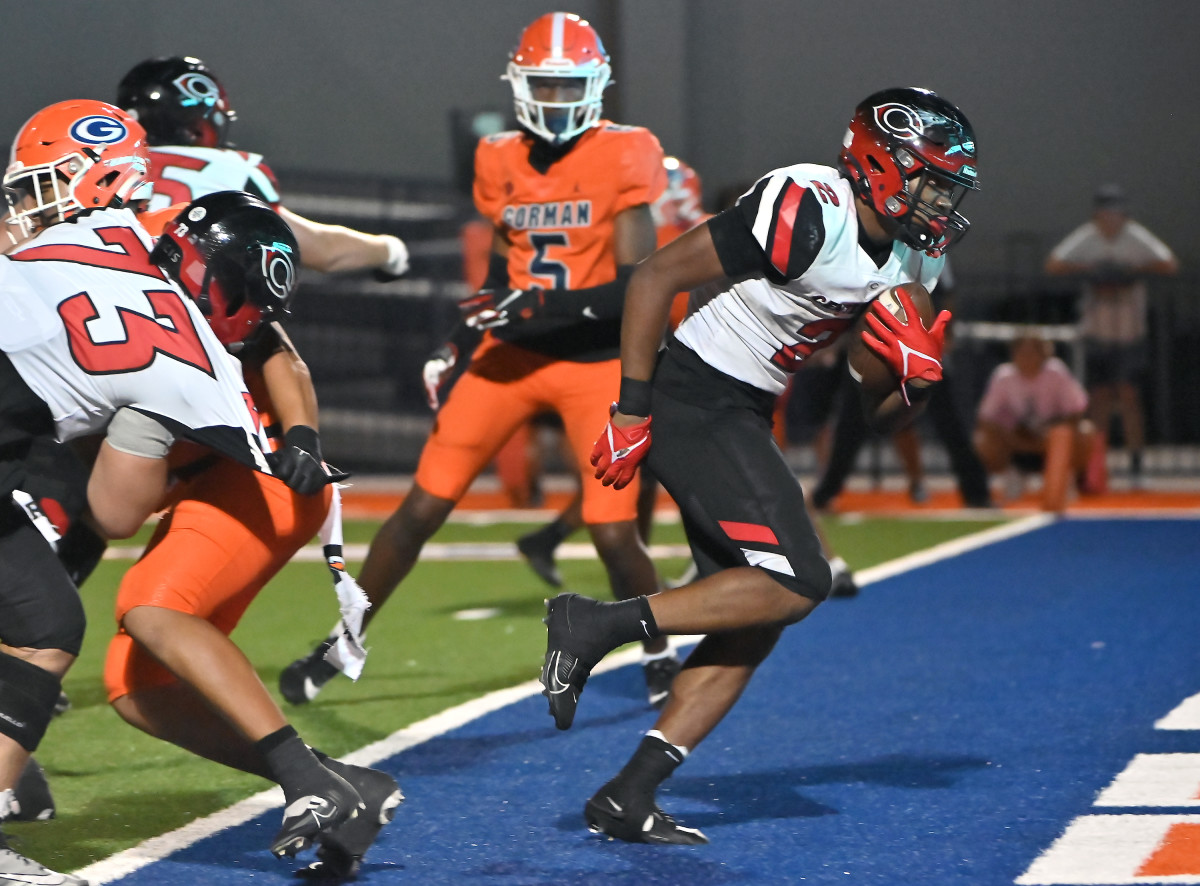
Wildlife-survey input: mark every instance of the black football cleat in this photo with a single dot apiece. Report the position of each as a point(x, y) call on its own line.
point(309, 815)
point(570, 654)
point(538, 551)
point(300, 681)
point(34, 801)
point(660, 674)
point(340, 850)
point(636, 820)
point(844, 584)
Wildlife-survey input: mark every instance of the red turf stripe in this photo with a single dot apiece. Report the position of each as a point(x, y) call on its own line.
point(749, 532)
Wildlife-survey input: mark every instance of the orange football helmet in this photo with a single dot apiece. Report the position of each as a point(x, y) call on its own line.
point(71, 157)
point(558, 47)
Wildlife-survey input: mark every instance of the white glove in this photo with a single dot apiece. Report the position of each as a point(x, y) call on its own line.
point(397, 258)
point(435, 373)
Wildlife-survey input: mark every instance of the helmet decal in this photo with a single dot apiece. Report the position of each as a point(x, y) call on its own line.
point(900, 120)
point(197, 89)
point(96, 129)
point(277, 269)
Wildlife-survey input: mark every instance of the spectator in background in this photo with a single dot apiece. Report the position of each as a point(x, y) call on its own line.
point(1032, 418)
point(1113, 254)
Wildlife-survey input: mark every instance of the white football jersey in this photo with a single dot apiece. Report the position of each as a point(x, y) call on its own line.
point(182, 174)
point(91, 325)
point(760, 327)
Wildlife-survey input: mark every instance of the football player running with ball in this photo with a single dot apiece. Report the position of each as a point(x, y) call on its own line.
point(793, 265)
point(569, 197)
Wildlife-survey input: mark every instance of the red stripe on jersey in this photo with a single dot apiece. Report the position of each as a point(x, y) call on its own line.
point(781, 246)
point(749, 532)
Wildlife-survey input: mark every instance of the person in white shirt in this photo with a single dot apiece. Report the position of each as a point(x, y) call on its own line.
point(1114, 255)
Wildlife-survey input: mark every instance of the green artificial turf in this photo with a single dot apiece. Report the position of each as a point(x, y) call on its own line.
point(115, 786)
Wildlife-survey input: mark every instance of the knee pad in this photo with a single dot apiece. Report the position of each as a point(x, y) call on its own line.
point(27, 698)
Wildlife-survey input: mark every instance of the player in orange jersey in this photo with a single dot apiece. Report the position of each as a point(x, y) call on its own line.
point(678, 209)
point(172, 670)
point(569, 198)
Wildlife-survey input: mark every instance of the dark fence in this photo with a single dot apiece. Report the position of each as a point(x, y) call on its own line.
point(366, 341)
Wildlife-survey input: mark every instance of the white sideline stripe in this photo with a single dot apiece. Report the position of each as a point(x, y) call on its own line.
point(953, 548)
point(442, 551)
point(157, 848)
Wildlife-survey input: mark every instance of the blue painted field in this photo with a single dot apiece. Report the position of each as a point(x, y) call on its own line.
point(942, 728)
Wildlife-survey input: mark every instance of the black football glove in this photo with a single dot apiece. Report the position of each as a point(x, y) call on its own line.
point(489, 308)
point(298, 462)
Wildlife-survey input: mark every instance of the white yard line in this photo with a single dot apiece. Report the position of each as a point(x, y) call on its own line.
point(158, 848)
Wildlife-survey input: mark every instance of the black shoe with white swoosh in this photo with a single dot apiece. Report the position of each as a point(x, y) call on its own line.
point(572, 650)
point(635, 818)
point(341, 849)
point(300, 681)
point(306, 816)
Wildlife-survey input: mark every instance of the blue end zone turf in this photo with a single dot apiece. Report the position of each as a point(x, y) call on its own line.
point(942, 728)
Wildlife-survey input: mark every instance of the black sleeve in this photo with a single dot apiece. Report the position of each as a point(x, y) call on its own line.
point(602, 302)
point(264, 343)
point(497, 275)
point(793, 232)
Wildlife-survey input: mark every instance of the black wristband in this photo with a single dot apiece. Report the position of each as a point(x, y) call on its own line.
point(304, 437)
point(635, 396)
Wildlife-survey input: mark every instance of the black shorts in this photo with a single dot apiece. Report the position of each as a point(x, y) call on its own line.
point(39, 605)
point(713, 451)
point(1112, 363)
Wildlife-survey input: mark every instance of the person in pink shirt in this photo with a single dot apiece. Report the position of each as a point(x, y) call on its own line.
point(1032, 418)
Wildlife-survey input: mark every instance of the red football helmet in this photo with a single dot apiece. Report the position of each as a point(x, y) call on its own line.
point(679, 206)
point(71, 157)
point(903, 145)
point(558, 47)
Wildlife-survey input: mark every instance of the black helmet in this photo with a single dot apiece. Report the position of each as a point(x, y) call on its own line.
point(235, 257)
point(898, 138)
point(178, 101)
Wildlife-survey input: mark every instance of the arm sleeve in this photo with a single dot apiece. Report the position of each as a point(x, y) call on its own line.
point(776, 229)
point(497, 272)
point(602, 302)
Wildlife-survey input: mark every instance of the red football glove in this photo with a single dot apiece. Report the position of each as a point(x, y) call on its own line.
point(910, 350)
point(619, 451)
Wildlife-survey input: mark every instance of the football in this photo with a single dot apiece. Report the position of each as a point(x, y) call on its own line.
point(873, 373)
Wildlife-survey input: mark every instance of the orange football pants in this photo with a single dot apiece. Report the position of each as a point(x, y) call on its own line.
point(229, 530)
point(504, 387)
